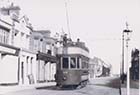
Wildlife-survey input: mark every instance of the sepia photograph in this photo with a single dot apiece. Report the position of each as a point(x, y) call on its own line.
point(69, 47)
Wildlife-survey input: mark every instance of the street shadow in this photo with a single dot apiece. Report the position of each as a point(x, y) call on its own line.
point(133, 84)
point(114, 83)
point(55, 88)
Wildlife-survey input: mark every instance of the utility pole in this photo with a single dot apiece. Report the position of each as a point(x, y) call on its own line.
point(122, 72)
point(127, 31)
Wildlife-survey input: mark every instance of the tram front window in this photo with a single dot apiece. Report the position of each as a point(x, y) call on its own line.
point(65, 63)
point(78, 62)
point(73, 62)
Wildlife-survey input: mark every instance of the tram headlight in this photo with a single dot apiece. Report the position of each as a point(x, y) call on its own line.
point(64, 78)
point(65, 73)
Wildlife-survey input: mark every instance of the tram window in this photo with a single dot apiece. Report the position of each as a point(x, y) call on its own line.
point(78, 62)
point(73, 62)
point(65, 63)
point(87, 65)
point(84, 65)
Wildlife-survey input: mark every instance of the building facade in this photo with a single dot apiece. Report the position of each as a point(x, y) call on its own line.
point(27, 63)
point(26, 56)
point(8, 53)
point(15, 33)
point(44, 46)
point(98, 68)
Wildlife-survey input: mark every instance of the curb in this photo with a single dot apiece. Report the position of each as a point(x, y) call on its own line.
point(4, 90)
point(10, 89)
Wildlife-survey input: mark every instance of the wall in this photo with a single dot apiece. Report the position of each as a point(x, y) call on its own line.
point(27, 67)
point(50, 71)
point(41, 71)
point(8, 69)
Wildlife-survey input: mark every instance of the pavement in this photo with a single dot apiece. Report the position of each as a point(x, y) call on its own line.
point(8, 89)
point(134, 88)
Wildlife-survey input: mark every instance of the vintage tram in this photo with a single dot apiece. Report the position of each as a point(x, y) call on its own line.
point(72, 67)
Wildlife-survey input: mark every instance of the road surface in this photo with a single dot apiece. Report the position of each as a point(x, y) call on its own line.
point(98, 86)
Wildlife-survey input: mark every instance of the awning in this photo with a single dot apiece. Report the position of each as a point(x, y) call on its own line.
point(8, 49)
point(46, 57)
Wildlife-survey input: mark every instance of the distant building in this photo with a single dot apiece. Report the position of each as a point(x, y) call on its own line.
point(134, 70)
point(98, 68)
point(92, 71)
point(44, 45)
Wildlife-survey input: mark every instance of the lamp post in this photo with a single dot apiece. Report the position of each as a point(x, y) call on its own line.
point(122, 72)
point(127, 31)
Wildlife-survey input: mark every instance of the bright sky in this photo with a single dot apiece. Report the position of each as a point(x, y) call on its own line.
point(99, 23)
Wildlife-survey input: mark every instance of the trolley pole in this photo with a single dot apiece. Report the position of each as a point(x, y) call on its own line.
point(67, 17)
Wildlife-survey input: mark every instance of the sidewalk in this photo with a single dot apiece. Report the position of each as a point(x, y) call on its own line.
point(134, 88)
point(8, 89)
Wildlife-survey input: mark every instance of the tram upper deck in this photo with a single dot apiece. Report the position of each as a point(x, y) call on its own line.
point(71, 48)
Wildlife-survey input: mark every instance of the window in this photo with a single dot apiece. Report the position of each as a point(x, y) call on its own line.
point(83, 64)
point(16, 32)
point(78, 62)
point(27, 61)
point(73, 62)
point(87, 65)
point(65, 63)
point(35, 45)
point(4, 35)
point(23, 39)
point(41, 45)
point(48, 48)
point(31, 65)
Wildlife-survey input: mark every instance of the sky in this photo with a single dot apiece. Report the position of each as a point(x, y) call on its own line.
point(99, 23)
